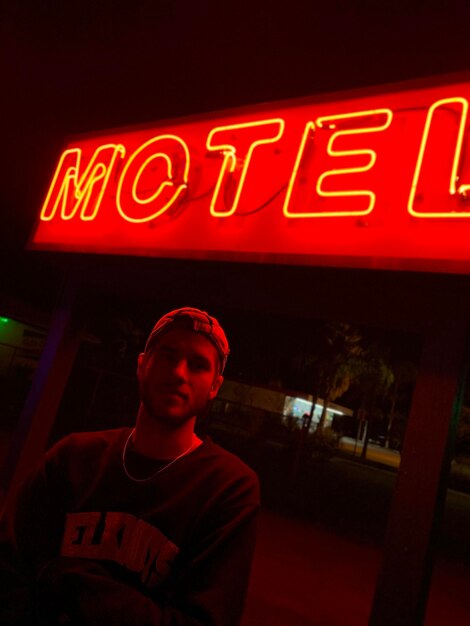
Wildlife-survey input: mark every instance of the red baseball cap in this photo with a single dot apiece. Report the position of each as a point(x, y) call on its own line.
point(198, 321)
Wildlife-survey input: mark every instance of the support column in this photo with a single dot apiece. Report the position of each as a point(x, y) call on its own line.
point(403, 583)
point(37, 417)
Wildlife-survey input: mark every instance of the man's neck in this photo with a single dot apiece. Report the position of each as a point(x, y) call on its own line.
point(155, 439)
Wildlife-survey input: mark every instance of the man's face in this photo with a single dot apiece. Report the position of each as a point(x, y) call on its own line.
point(179, 376)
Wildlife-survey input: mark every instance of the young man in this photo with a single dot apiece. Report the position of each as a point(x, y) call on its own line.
point(146, 526)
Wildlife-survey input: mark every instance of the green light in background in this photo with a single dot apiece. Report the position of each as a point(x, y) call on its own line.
point(4, 320)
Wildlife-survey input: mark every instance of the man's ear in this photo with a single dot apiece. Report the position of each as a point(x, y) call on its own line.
point(140, 364)
point(214, 390)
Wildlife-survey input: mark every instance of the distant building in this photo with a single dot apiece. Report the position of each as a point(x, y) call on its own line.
point(288, 403)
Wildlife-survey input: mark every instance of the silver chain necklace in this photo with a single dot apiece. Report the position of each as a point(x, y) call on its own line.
point(142, 480)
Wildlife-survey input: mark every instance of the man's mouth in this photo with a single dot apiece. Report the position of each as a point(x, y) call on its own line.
point(174, 392)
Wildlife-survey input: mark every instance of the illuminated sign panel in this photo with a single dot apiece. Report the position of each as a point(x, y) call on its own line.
point(378, 178)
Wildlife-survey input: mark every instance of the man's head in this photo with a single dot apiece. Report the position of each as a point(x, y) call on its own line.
point(180, 370)
point(197, 321)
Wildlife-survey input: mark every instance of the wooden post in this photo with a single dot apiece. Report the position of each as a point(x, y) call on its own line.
point(403, 583)
point(37, 417)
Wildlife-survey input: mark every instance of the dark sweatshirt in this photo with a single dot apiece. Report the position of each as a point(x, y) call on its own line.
point(85, 544)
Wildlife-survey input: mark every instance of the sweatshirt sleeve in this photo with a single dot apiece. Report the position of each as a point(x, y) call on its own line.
point(213, 582)
point(209, 589)
point(29, 532)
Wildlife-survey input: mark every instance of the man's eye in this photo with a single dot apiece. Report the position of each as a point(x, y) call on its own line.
point(167, 355)
point(199, 366)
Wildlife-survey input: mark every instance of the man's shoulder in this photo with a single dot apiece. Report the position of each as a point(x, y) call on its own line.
point(225, 456)
point(228, 466)
point(89, 441)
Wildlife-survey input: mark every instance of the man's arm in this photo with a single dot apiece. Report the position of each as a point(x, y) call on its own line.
point(214, 582)
point(208, 590)
point(29, 529)
point(209, 587)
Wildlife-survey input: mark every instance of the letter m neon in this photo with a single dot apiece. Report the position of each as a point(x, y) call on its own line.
point(72, 191)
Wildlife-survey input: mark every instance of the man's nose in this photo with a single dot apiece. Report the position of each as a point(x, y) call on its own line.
point(180, 369)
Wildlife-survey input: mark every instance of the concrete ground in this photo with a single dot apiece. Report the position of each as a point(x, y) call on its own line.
point(306, 575)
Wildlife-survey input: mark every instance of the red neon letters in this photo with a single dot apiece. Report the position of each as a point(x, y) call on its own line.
point(454, 108)
point(332, 122)
point(74, 193)
point(240, 161)
point(157, 175)
point(371, 179)
point(153, 179)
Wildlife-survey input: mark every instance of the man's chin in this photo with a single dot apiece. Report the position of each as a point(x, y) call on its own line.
point(172, 422)
point(171, 417)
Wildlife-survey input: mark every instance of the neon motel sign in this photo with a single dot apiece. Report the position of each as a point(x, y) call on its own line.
point(378, 178)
